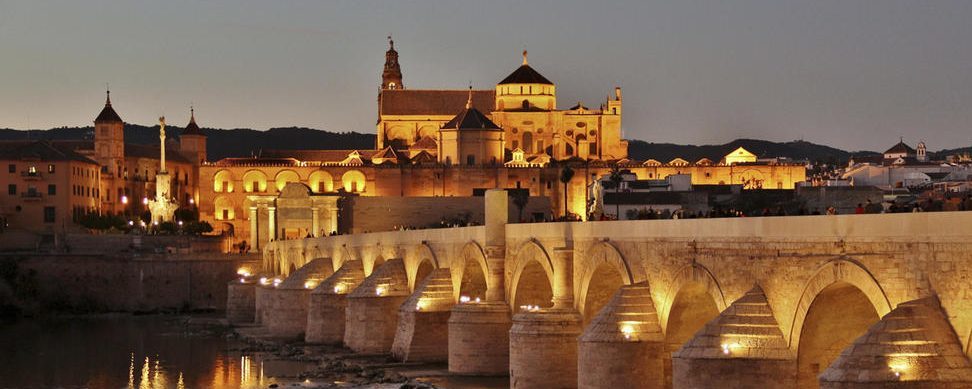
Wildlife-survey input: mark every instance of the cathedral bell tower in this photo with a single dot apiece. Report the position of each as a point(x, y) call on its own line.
point(391, 76)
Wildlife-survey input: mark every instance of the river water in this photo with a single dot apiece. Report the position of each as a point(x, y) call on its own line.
point(129, 352)
point(154, 352)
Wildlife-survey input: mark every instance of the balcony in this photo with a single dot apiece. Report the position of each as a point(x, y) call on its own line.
point(31, 196)
point(31, 176)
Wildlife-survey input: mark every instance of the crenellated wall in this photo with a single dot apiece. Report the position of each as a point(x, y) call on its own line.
point(823, 278)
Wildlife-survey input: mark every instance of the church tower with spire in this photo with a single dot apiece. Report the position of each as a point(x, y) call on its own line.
point(192, 142)
point(391, 76)
point(109, 140)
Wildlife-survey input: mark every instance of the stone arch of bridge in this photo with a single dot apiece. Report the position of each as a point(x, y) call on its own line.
point(605, 270)
point(470, 272)
point(423, 260)
point(844, 270)
point(532, 280)
point(693, 275)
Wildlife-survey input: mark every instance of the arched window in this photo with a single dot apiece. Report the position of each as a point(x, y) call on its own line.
point(527, 142)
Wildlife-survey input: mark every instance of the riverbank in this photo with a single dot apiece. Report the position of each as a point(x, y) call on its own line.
point(339, 367)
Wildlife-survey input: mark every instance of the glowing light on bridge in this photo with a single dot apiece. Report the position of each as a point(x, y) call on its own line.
point(627, 329)
point(264, 281)
point(340, 288)
point(310, 284)
point(379, 290)
point(276, 282)
point(728, 347)
point(243, 272)
point(464, 299)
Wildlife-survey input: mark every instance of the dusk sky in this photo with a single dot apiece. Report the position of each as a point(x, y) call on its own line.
point(854, 74)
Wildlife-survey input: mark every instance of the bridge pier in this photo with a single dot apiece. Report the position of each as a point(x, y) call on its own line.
point(326, 310)
point(423, 320)
point(913, 346)
point(543, 349)
point(287, 316)
point(372, 312)
point(743, 347)
point(261, 300)
point(479, 339)
point(240, 301)
point(623, 346)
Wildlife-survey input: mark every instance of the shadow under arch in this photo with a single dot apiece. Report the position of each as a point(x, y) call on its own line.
point(470, 274)
point(416, 271)
point(841, 269)
point(604, 261)
point(530, 252)
point(690, 274)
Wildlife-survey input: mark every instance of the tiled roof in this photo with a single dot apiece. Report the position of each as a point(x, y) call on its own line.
point(41, 151)
point(471, 119)
point(525, 75)
point(432, 102)
point(901, 147)
point(108, 115)
point(314, 155)
point(192, 128)
point(426, 143)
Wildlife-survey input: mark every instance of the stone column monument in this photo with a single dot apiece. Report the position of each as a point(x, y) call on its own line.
point(163, 206)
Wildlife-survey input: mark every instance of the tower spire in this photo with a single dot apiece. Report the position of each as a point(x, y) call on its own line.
point(391, 75)
point(524, 57)
point(107, 96)
point(469, 99)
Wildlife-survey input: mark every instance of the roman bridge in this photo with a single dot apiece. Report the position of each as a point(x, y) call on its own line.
point(803, 301)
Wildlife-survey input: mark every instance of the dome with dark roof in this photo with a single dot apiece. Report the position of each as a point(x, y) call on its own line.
point(471, 119)
point(525, 75)
point(901, 147)
point(108, 114)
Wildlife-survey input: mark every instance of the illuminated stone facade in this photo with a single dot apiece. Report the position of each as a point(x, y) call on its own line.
point(524, 105)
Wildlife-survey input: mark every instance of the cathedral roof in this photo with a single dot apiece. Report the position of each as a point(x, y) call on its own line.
point(525, 75)
point(192, 128)
point(108, 114)
point(471, 119)
point(432, 102)
point(901, 147)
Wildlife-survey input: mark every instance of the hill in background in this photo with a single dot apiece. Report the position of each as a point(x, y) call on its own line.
point(242, 142)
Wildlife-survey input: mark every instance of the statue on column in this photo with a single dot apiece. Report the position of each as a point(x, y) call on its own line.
point(163, 206)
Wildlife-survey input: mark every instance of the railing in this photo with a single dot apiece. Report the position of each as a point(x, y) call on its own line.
point(31, 195)
point(29, 175)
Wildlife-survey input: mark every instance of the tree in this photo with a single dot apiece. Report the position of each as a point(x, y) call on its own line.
point(616, 177)
point(565, 175)
point(520, 199)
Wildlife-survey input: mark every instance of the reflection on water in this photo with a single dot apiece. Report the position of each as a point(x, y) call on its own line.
point(145, 352)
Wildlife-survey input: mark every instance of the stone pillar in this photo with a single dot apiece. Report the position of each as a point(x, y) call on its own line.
point(543, 349)
point(479, 339)
point(563, 278)
point(496, 282)
point(623, 346)
point(240, 302)
point(743, 347)
point(372, 313)
point(423, 320)
point(328, 302)
point(290, 299)
point(334, 220)
point(315, 222)
point(497, 215)
point(272, 223)
point(254, 243)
